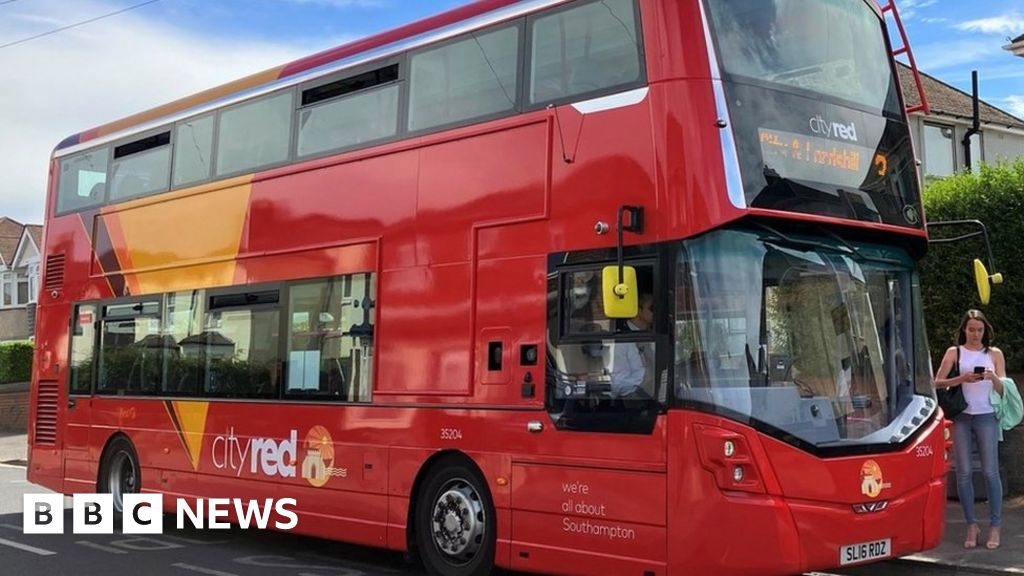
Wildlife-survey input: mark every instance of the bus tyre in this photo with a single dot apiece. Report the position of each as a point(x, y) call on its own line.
point(455, 525)
point(119, 472)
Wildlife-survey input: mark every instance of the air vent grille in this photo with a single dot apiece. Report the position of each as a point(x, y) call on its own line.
point(54, 272)
point(46, 414)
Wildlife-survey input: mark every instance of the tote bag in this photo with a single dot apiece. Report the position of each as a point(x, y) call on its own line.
point(952, 399)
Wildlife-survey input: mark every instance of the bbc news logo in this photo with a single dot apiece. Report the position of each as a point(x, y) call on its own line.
point(143, 513)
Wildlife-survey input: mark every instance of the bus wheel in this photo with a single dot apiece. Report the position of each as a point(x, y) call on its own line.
point(455, 524)
point(119, 472)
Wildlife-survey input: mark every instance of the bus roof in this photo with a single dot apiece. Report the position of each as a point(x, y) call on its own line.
point(446, 24)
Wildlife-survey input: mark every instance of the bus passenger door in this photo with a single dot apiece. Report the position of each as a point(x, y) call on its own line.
point(79, 467)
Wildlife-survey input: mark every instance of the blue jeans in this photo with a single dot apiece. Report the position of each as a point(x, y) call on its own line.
point(985, 430)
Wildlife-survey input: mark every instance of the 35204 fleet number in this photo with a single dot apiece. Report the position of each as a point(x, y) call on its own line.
point(451, 434)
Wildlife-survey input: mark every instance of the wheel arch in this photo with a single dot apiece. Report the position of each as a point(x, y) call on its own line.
point(116, 435)
point(429, 465)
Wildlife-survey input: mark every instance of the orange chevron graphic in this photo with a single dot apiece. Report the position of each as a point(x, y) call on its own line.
point(189, 419)
point(157, 247)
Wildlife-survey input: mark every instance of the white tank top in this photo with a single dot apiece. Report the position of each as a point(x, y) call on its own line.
point(977, 393)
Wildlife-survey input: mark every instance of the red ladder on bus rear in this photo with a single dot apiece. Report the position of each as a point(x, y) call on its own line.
point(890, 6)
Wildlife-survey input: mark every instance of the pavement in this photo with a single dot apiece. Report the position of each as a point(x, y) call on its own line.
point(13, 448)
point(950, 555)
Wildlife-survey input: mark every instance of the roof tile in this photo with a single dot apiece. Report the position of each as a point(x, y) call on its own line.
point(10, 228)
point(36, 231)
point(945, 99)
point(8, 246)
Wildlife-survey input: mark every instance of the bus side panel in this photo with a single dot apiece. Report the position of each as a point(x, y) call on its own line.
point(719, 533)
point(334, 201)
point(355, 517)
point(464, 184)
point(425, 331)
point(398, 512)
point(48, 398)
point(404, 464)
point(462, 187)
point(588, 521)
point(511, 382)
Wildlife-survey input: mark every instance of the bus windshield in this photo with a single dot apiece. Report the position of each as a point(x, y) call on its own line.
point(817, 342)
point(823, 46)
point(815, 110)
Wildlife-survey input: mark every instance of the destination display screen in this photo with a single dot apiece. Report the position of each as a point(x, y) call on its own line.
point(812, 159)
point(815, 109)
point(801, 153)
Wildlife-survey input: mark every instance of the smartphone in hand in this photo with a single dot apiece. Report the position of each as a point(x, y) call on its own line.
point(979, 369)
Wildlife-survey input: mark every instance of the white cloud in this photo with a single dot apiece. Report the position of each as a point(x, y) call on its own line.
point(40, 19)
point(72, 81)
point(937, 56)
point(1015, 105)
point(1010, 23)
point(908, 8)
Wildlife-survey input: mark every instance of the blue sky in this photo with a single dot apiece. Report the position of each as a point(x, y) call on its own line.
point(952, 37)
point(89, 75)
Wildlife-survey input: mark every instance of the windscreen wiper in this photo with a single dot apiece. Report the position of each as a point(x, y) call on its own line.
point(844, 248)
point(791, 242)
point(858, 255)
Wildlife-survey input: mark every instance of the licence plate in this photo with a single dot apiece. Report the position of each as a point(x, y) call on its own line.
point(854, 553)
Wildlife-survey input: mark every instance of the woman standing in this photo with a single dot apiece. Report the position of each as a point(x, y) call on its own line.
point(981, 366)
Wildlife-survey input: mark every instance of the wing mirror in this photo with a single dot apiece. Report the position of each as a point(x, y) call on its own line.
point(620, 292)
point(618, 283)
point(984, 280)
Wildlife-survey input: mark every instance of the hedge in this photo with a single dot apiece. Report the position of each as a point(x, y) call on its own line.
point(995, 196)
point(15, 362)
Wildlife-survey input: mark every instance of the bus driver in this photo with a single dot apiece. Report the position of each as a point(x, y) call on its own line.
point(633, 362)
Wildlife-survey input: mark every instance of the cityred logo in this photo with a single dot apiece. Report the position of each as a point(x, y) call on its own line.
point(871, 484)
point(237, 453)
point(834, 130)
point(318, 463)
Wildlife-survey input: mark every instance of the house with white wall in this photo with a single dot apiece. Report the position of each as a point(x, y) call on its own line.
point(20, 249)
point(939, 136)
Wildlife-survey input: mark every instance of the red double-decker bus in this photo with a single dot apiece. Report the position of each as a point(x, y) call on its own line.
point(574, 286)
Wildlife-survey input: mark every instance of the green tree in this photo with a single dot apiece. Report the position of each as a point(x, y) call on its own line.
point(994, 194)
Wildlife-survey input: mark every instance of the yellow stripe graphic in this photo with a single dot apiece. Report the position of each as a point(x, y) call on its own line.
point(191, 417)
point(168, 243)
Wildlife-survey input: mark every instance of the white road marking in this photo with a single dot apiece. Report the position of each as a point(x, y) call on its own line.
point(202, 570)
point(26, 547)
point(96, 546)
